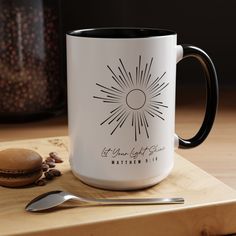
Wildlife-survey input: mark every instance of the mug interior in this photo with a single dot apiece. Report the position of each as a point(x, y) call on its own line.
point(121, 32)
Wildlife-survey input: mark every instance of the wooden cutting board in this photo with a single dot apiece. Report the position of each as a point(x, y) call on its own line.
point(209, 209)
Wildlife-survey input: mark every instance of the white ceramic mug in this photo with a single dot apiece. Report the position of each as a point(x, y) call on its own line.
point(121, 104)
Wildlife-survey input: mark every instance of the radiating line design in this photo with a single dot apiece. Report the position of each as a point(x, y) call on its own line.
point(134, 97)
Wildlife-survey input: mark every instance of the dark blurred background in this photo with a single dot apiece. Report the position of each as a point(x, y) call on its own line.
point(209, 25)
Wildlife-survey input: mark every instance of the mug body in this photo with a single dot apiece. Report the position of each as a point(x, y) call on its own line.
point(121, 106)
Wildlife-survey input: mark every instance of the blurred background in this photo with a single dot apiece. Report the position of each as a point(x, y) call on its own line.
point(33, 50)
point(209, 25)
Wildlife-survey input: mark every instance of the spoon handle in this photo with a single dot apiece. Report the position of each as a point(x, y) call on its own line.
point(137, 201)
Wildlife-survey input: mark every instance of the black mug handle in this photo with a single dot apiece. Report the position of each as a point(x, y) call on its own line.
point(211, 92)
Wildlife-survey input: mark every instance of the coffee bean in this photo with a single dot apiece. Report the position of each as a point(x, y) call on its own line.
point(51, 164)
point(55, 156)
point(55, 172)
point(41, 182)
point(45, 167)
point(48, 175)
point(49, 159)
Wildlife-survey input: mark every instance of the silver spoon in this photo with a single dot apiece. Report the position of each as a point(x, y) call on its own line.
point(54, 198)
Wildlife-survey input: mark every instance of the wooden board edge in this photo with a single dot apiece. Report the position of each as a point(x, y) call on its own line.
point(208, 220)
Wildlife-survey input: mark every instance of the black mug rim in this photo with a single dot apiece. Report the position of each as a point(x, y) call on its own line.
point(121, 32)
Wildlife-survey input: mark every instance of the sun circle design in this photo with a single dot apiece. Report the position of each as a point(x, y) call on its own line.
point(136, 99)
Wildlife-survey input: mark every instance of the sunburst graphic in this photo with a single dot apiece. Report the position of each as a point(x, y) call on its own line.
point(134, 97)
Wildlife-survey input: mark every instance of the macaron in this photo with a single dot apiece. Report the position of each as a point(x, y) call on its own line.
point(19, 167)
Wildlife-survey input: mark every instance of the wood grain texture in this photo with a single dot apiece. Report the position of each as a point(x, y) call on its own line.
point(210, 207)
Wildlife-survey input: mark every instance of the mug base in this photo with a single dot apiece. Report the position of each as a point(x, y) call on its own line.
point(122, 185)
